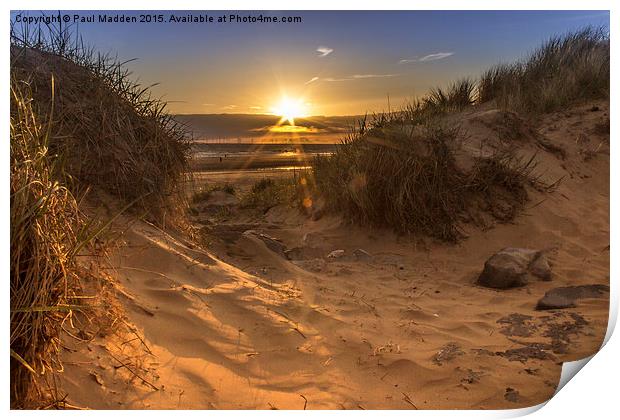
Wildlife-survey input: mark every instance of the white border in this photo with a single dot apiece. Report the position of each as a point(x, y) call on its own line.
point(592, 394)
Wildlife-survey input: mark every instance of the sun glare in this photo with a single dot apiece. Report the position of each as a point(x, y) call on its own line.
point(289, 109)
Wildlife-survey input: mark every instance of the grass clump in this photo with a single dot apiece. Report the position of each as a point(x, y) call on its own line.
point(406, 177)
point(47, 230)
point(268, 193)
point(112, 134)
point(77, 124)
point(565, 69)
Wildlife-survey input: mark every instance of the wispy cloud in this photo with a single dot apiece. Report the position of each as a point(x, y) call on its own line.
point(430, 57)
point(324, 51)
point(229, 107)
point(255, 107)
point(349, 78)
point(372, 76)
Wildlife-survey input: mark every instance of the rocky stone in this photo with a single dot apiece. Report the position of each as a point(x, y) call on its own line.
point(507, 268)
point(512, 267)
point(566, 297)
point(336, 253)
point(540, 268)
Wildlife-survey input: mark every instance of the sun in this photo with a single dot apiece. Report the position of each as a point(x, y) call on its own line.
point(289, 109)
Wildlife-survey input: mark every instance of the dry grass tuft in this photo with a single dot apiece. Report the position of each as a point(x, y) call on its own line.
point(47, 230)
point(77, 124)
point(405, 176)
point(566, 69)
point(267, 193)
point(112, 134)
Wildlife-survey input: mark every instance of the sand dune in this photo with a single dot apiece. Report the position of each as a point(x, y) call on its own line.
point(241, 326)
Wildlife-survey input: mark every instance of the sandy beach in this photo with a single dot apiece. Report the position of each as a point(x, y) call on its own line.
point(267, 319)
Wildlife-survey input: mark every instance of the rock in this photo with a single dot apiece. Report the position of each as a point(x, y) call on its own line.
point(336, 254)
point(362, 255)
point(511, 267)
point(540, 268)
point(565, 297)
point(506, 269)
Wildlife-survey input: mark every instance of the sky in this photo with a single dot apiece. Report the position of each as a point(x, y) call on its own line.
point(330, 63)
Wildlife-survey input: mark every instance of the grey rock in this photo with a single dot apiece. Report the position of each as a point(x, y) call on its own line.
point(507, 268)
point(540, 268)
point(566, 297)
point(336, 253)
point(513, 267)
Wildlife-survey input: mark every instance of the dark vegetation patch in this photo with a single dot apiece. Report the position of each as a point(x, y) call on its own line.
point(560, 328)
point(519, 325)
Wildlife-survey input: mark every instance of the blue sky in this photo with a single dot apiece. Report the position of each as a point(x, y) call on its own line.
point(214, 68)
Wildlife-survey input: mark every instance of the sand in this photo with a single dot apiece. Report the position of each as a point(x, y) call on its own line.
point(237, 325)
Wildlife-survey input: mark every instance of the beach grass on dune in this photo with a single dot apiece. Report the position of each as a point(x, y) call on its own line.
point(113, 134)
point(565, 69)
point(78, 124)
point(47, 229)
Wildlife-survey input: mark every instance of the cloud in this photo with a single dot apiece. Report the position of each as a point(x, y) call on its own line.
point(348, 78)
point(255, 107)
point(229, 107)
point(324, 51)
point(356, 77)
point(372, 76)
point(430, 57)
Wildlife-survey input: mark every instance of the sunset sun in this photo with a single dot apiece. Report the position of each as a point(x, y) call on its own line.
point(289, 109)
